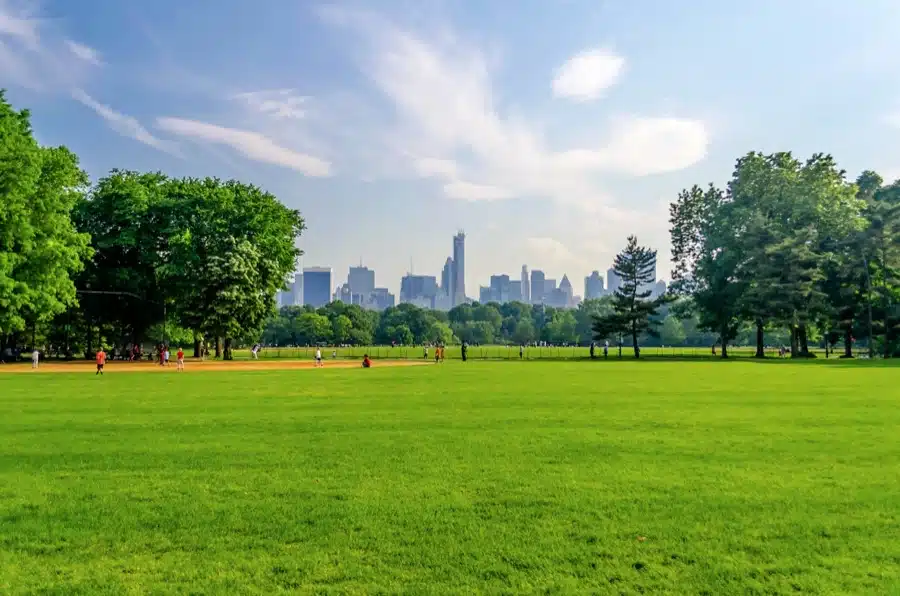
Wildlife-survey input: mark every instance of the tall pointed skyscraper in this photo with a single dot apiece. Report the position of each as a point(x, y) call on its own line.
point(459, 269)
point(526, 286)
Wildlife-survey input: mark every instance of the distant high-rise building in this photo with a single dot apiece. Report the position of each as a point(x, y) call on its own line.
point(380, 299)
point(613, 281)
point(361, 280)
point(500, 288)
point(284, 297)
point(526, 287)
point(447, 279)
point(593, 286)
point(418, 289)
point(485, 295)
point(537, 286)
point(298, 290)
point(515, 291)
point(459, 269)
point(316, 286)
point(549, 286)
point(565, 286)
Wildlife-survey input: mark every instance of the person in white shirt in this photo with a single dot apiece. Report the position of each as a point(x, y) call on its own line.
point(318, 357)
point(35, 358)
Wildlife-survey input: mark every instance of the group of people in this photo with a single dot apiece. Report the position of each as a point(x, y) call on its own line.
point(164, 355)
point(438, 353)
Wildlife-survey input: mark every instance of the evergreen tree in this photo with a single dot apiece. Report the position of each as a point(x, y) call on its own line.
point(633, 309)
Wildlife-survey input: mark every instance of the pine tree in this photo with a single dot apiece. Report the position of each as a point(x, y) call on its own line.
point(633, 308)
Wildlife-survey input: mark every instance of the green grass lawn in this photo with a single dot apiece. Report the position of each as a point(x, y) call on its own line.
point(566, 477)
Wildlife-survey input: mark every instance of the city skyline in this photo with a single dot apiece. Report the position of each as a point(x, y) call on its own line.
point(440, 292)
point(392, 125)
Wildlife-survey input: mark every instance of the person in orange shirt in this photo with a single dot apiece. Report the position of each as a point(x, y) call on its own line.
point(101, 360)
point(180, 359)
point(366, 362)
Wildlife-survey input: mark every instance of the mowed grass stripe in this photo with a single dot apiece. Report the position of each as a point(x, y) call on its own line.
point(569, 477)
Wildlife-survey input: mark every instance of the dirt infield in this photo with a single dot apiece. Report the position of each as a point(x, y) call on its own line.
point(196, 366)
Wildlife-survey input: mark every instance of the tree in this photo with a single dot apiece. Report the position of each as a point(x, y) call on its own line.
point(312, 328)
point(672, 332)
point(707, 259)
point(122, 214)
point(40, 249)
point(562, 328)
point(237, 230)
point(585, 314)
point(524, 332)
point(632, 305)
point(439, 333)
point(341, 326)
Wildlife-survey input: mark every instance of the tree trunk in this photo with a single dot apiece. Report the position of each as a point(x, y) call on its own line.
point(90, 341)
point(794, 342)
point(887, 330)
point(197, 346)
point(760, 339)
point(802, 338)
point(634, 341)
point(848, 342)
point(227, 353)
point(218, 347)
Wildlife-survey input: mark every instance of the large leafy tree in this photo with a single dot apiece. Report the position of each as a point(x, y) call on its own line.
point(633, 309)
point(40, 249)
point(707, 259)
point(125, 214)
point(241, 233)
point(796, 212)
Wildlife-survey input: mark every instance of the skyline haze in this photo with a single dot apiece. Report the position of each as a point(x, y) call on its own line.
point(549, 133)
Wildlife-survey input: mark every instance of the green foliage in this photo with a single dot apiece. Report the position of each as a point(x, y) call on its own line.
point(790, 244)
point(40, 249)
point(633, 310)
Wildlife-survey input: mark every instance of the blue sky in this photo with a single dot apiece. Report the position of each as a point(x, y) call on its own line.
point(547, 130)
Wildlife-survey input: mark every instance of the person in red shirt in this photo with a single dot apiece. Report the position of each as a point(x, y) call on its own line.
point(366, 362)
point(180, 359)
point(101, 360)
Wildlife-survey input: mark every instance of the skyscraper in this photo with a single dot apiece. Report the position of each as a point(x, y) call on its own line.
point(537, 286)
point(593, 286)
point(459, 269)
point(361, 280)
point(565, 287)
point(447, 279)
point(526, 287)
point(500, 288)
point(515, 290)
point(297, 298)
point(613, 281)
point(417, 288)
point(316, 286)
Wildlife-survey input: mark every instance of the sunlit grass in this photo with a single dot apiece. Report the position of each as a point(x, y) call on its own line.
point(676, 477)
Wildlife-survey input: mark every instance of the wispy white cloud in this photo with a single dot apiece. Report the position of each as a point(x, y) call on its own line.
point(449, 124)
point(279, 103)
point(33, 55)
point(125, 125)
point(83, 52)
point(19, 24)
point(250, 144)
point(588, 75)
